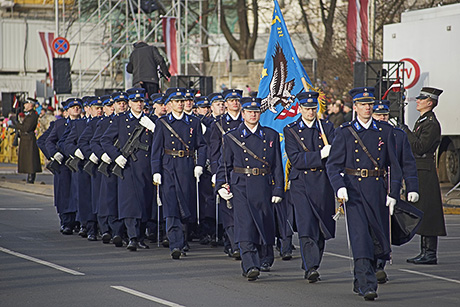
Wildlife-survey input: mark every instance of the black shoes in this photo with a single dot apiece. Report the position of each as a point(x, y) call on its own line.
point(106, 237)
point(312, 276)
point(132, 245)
point(381, 276)
point(175, 253)
point(92, 238)
point(252, 274)
point(142, 245)
point(427, 258)
point(286, 256)
point(67, 231)
point(82, 233)
point(429, 247)
point(236, 254)
point(165, 242)
point(370, 295)
point(117, 241)
point(265, 267)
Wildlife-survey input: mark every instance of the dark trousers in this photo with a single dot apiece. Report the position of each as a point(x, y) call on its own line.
point(67, 219)
point(285, 245)
point(252, 255)
point(91, 227)
point(132, 227)
point(364, 273)
point(110, 224)
point(311, 252)
point(175, 231)
point(229, 231)
point(150, 87)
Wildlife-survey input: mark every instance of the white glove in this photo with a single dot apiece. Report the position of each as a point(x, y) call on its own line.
point(213, 179)
point(325, 151)
point(225, 194)
point(343, 194)
point(58, 157)
point(391, 202)
point(276, 199)
point(121, 161)
point(413, 197)
point(147, 123)
point(79, 154)
point(93, 158)
point(203, 128)
point(105, 157)
point(157, 178)
point(197, 172)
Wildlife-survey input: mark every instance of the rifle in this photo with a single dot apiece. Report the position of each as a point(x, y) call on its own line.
point(53, 166)
point(72, 163)
point(130, 148)
point(90, 168)
point(104, 167)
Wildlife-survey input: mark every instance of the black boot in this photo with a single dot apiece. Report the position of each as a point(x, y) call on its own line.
point(422, 251)
point(431, 244)
point(31, 178)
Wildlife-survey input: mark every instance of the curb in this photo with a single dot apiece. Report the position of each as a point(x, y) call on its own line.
point(41, 189)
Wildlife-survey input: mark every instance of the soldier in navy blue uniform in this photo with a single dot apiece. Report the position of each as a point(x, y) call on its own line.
point(84, 147)
point(310, 189)
point(66, 206)
point(178, 138)
point(81, 181)
point(207, 199)
point(407, 162)
point(251, 172)
point(222, 124)
point(361, 152)
point(135, 191)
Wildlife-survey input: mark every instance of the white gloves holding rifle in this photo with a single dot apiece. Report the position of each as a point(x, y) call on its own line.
point(157, 178)
point(105, 157)
point(93, 158)
point(225, 194)
point(342, 194)
point(121, 161)
point(58, 157)
point(147, 123)
point(325, 151)
point(79, 154)
point(276, 199)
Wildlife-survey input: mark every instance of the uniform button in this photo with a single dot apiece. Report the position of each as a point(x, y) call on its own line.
point(380, 129)
point(172, 142)
point(146, 156)
point(357, 160)
point(248, 175)
point(320, 170)
point(376, 168)
point(380, 148)
point(319, 146)
point(190, 135)
point(265, 149)
point(300, 130)
point(126, 119)
point(263, 165)
point(172, 135)
point(243, 143)
point(380, 137)
point(128, 126)
point(305, 172)
point(246, 159)
point(356, 150)
point(301, 139)
point(356, 141)
point(174, 148)
point(228, 129)
point(377, 178)
point(129, 133)
point(378, 159)
point(189, 142)
point(241, 135)
point(263, 158)
point(244, 151)
point(265, 141)
point(359, 169)
point(359, 179)
point(247, 166)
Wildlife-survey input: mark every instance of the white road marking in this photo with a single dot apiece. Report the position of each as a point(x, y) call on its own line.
point(146, 296)
point(337, 255)
point(42, 262)
point(21, 209)
point(431, 276)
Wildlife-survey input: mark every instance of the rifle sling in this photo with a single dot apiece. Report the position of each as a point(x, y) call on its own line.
point(234, 139)
point(360, 142)
point(296, 136)
point(174, 132)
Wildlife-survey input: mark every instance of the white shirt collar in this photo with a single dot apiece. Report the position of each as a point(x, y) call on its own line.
point(235, 118)
point(253, 130)
point(137, 116)
point(309, 125)
point(365, 125)
point(178, 117)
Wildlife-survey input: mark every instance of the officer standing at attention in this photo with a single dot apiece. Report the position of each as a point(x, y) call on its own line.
point(135, 190)
point(224, 123)
point(311, 191)
point(177, 137)
point(424, 139)
point(28, 155)
point(362, 151)
point(251, 172)
point(66, 206)
point(407, 163)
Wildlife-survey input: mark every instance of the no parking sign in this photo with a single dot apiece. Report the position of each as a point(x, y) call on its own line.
point(60, 45)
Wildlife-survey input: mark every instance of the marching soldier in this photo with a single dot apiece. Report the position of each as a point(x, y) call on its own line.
point(407, 163)
point(424, 139)
point(310, 190)
point(177, 137)
point(66, 205)
point(134, 130)
point(251, 172)
point(362, 150)
point(81, 181)
point(224, 123)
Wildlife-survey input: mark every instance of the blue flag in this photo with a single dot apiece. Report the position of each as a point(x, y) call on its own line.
point(282, 78)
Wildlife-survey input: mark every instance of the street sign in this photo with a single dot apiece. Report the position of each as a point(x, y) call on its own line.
point(60, 45)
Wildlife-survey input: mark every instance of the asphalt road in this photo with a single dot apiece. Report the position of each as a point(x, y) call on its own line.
point(41, 267)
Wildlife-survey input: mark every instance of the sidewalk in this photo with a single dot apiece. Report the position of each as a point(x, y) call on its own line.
point(10, 179)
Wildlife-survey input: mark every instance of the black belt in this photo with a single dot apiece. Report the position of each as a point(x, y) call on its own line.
point(251, 171)
point(179, 153)
point(365, 172)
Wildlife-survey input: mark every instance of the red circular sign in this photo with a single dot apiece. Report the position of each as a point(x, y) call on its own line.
point(411, 72)
point(60, 45)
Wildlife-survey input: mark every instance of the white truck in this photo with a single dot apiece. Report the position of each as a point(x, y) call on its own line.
point(428, 42)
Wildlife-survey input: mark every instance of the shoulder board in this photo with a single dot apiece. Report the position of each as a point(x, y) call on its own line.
point(291, 124)
point(345, 125)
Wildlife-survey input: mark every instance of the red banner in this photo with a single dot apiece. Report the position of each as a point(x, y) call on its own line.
point(169, 36)
point(47, 39)
point(357, 30)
